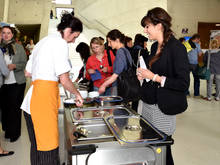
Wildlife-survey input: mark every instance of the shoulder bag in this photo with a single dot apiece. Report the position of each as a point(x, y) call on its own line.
point(128, 85)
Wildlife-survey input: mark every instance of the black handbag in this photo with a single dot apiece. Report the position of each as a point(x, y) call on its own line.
point(128, 86)
point(171, 102)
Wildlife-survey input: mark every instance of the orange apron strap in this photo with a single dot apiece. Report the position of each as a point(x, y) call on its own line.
point(44, 105)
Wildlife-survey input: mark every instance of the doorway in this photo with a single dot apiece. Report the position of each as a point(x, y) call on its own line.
point(204, 29)
point(27, 32)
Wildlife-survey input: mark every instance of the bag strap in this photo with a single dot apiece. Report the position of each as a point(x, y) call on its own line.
point(127, 61)
point(208, 62)
point(138, 60)
point(109, 57)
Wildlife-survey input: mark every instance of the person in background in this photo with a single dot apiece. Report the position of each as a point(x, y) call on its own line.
point(30, 46)
point(170, 55)
point(4, 72)
point(48, 65)
point(128, 43)
point(182, 39)
point(214, 69)
point(84, 52)
point(194, 51)
point(108, 48)
point(140, 44)
point(98, 67)
point(12, 91)
point(116, 40)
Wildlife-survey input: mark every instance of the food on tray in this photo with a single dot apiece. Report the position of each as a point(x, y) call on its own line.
point(131, 132)
point(134, 121)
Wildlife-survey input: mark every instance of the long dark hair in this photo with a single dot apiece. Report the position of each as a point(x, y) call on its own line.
point(116, 34)
point(69, 21)
point(155, 16)
point(84, 51)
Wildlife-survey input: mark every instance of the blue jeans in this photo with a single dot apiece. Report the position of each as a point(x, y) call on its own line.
point(196, 79)
point(106, 93)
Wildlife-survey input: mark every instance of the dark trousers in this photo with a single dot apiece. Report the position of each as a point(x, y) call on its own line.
point(11, 98)
point(40, 157)
point(169, 157)
point(134, 105)
point(196, 85)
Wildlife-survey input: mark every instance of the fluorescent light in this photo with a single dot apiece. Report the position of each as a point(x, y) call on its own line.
point(218, 24)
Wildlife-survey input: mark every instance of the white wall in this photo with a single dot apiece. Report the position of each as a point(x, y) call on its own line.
point(124, 15)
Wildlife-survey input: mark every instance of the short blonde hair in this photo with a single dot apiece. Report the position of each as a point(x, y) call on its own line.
point(214, 44)
point(96, 40)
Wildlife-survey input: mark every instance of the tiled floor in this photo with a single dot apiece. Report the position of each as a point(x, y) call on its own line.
point(197, 136)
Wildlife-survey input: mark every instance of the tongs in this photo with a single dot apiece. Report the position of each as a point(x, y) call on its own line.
point(66, 93)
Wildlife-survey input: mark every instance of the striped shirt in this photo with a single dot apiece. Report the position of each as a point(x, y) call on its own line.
point(163, 122)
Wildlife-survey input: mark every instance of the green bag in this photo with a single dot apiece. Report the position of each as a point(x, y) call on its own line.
point(203, 71)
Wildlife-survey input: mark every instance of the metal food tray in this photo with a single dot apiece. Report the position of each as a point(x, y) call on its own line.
point(133, 129)
point(88, 102)
point(94, 131)
point(91, 113)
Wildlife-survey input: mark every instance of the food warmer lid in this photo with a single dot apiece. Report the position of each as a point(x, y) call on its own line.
point(134, 129)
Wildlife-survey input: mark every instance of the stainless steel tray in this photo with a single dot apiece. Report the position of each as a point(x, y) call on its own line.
point(94, 131)
point(91, 113)
point(88, 102)
point(133, 129)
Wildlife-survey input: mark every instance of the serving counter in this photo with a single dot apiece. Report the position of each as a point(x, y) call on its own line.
point(112, 135)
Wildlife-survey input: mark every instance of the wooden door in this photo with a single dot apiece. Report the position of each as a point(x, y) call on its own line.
point(204, 29)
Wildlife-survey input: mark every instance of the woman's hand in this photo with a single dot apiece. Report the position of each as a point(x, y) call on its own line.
point(91, 71)
point(144, 73)
point(79, 100)
point(11, 66)
point(27, 74)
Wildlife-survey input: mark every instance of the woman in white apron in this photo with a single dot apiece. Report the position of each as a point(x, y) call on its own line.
point(48, 65)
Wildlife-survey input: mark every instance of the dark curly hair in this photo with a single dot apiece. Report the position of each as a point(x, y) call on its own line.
point(116, 34)
point(155, 16)
point(69, 21)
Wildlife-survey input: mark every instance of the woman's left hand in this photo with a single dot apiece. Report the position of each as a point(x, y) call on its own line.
point(145, 73)
point(11, 66)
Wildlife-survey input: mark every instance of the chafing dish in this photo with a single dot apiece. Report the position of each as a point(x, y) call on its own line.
point(133, 129)
point(112, 135)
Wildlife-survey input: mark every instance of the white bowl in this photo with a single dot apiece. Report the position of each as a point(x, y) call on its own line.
point(84, 94)
point(93, 94)
point(69, 101)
